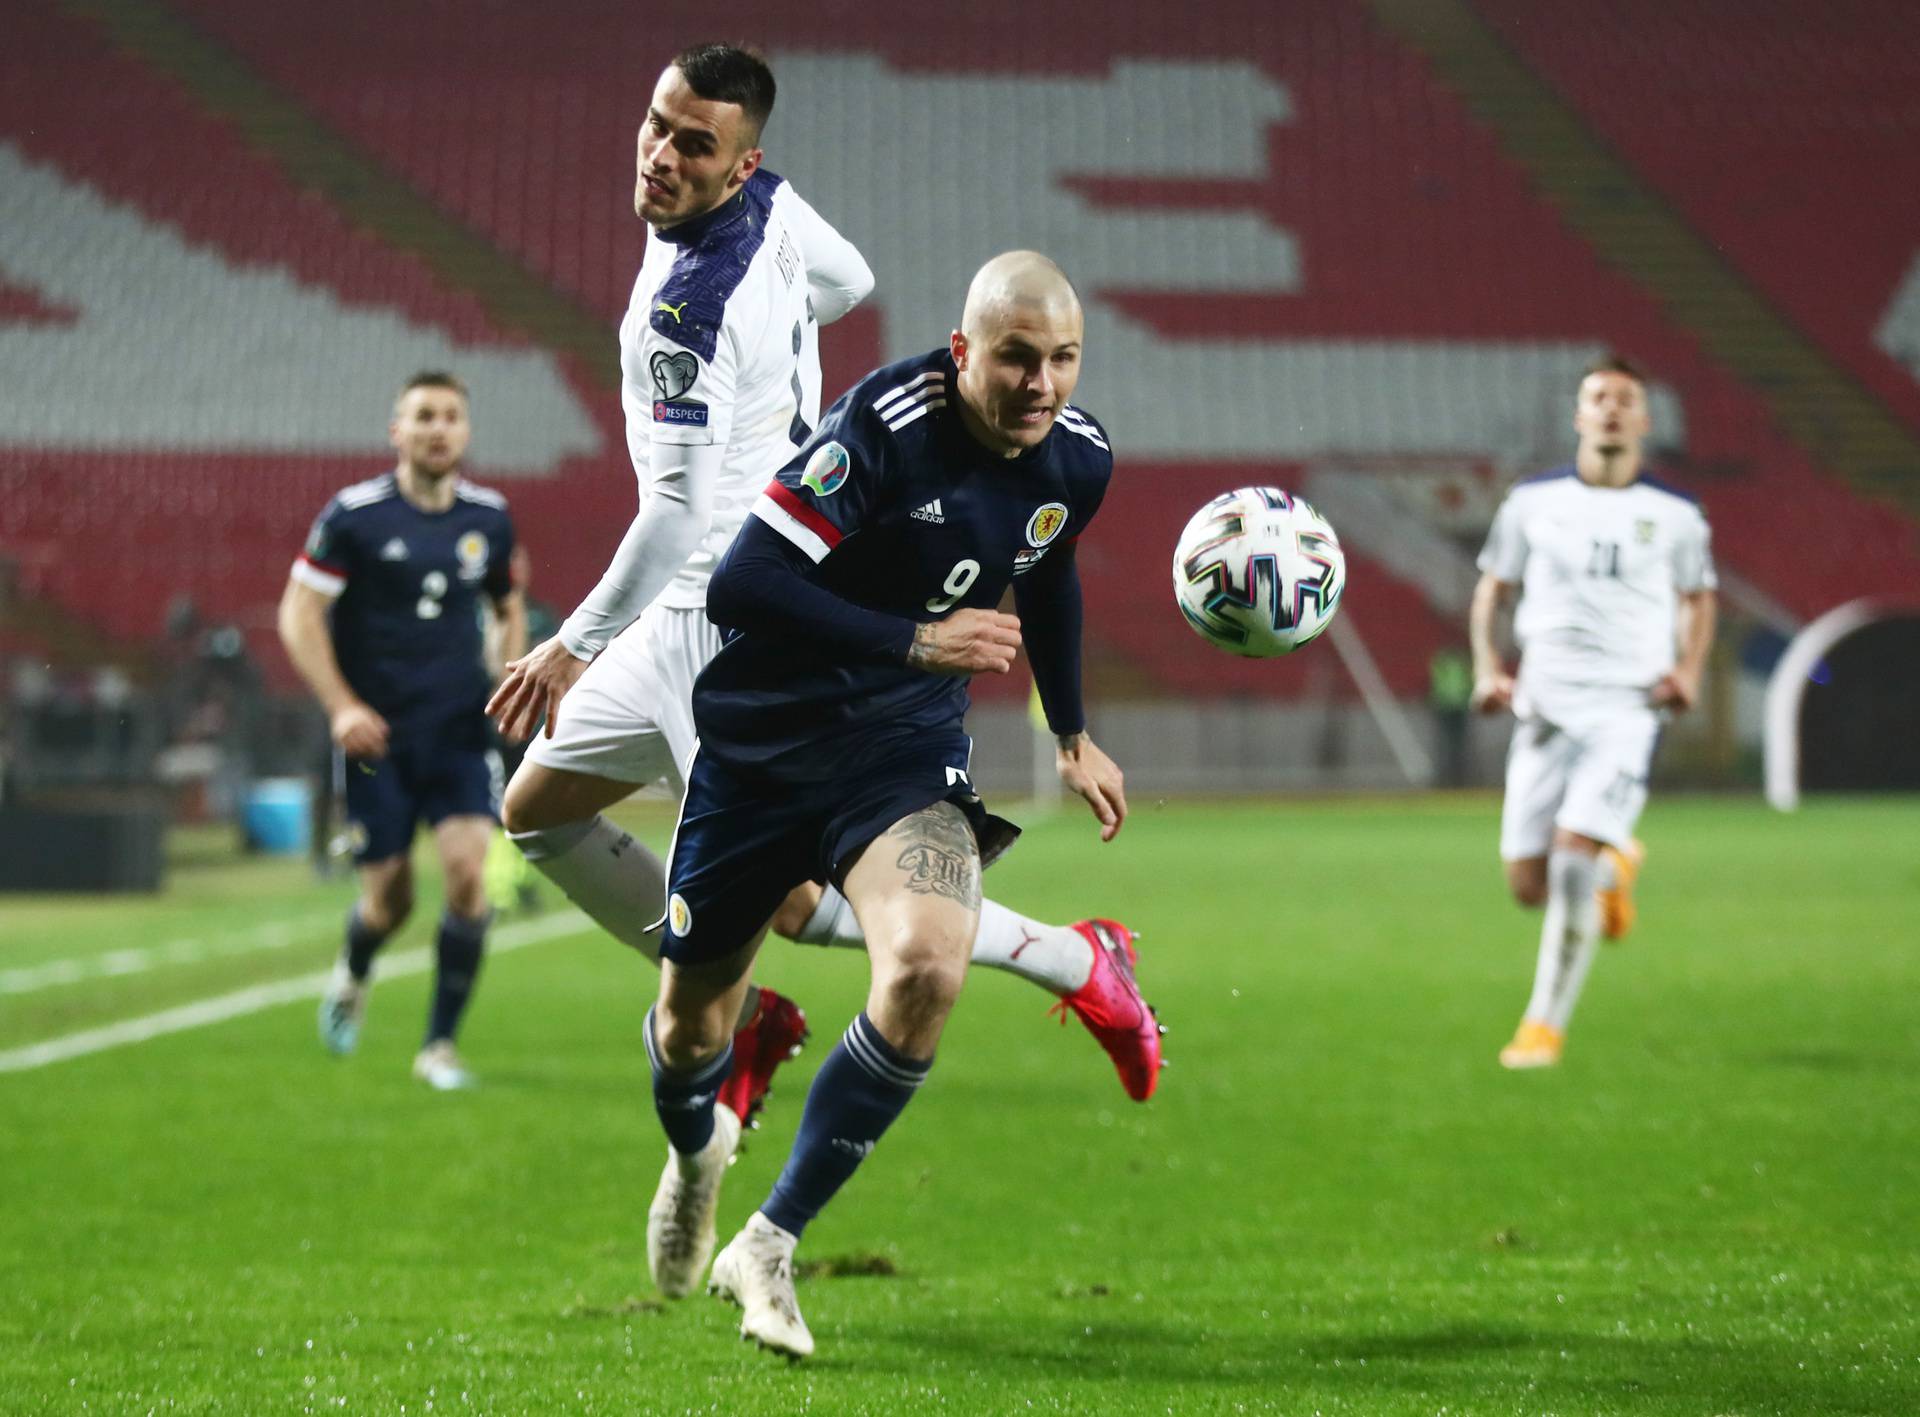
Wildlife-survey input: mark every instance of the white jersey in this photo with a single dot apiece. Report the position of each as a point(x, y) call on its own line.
point(720, 344)
point(1600, 570)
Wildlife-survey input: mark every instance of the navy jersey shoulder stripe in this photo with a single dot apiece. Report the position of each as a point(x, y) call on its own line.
point(922, 401)
point(914, 388)
point(364, 494)
point(481, 496)
point(1083, 424)
point(715, 252)
point(900, 393)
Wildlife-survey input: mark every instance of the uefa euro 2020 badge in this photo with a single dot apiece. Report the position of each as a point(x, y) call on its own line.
point(826, 470)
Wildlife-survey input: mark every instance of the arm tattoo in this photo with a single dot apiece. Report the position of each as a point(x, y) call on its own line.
point(939, 854)
point(1070, 742)
point(920, 652)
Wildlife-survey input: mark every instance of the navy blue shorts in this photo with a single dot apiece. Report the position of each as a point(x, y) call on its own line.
point(745, 840)
point(421, 779)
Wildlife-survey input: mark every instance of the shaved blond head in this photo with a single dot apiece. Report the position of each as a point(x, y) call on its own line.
point(1013, 283)
point(1017, 350)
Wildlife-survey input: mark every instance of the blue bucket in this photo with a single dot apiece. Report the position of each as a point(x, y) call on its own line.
point(277, 816)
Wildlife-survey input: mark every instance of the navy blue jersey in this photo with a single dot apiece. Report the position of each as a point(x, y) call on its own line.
point(902, 513)
point(407, 587)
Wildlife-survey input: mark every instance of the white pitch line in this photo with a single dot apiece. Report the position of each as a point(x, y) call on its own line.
point(29, 979)
point(263, 996)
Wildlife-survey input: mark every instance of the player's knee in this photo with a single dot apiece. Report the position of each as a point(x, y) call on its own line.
point(520, 808)
point(926, 973)
point(689, 1040)
point(467, 894)
point(1528, 882)
point(387, 910)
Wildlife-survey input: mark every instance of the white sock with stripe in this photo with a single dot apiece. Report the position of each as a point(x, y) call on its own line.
point(1569, 937)
point(607, 873)
point(1056, 957)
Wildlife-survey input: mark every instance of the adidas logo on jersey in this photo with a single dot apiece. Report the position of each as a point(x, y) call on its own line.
point(930, 513)
point(394, 550)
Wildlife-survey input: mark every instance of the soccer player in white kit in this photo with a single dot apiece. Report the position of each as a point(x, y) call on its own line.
point(720, 384)
point(1615, 619)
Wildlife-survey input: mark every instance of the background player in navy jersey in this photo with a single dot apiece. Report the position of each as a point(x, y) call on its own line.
point(382, 616)
point(721, 385)
point(860, 597)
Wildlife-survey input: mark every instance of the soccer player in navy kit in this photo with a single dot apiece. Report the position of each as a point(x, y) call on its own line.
point(859, 597)
point(721, 387)
point(382, 617)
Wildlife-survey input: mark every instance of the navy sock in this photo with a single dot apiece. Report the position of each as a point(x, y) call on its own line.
point(458, 947)
point(363, 942)
point(684, 1100)
point(864, 1084)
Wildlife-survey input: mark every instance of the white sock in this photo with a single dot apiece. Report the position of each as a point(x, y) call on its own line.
point(1569, 938)
point(1056, 957)
point(607, 873)
point(832, 923)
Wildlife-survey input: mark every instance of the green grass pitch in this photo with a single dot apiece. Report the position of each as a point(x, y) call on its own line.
point(1338, 1203)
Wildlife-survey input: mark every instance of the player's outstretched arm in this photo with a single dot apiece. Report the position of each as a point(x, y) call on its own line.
point(308, 639)
point(506, 638)
point(762, 585)
point(1492, 685)
point(1085, 769)
point(1049, 600)
point(1679, 688)
point(674, 517)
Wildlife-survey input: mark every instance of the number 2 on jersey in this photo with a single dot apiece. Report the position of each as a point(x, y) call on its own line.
point(799, 430)
point(959, 580)
point(433, 588)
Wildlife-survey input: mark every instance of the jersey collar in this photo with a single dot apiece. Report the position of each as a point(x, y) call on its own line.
point(697, 229)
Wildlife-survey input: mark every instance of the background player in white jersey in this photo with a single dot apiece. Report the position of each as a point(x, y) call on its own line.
point(381, 616)
point(720, 385)
point(1615, 619)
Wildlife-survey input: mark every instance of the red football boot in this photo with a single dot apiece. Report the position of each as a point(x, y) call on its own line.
point(1109, 1004)
point(774, 1034)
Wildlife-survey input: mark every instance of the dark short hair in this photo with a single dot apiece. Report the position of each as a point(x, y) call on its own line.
point(433, 379)
point(1615, 363)
point(730, 73)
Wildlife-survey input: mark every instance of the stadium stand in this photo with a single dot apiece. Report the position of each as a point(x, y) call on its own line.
point(1772, 148)
point(1307, 261)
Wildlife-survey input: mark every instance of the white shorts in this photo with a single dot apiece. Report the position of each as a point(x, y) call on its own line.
point(630, 716)
point(1588, 776)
